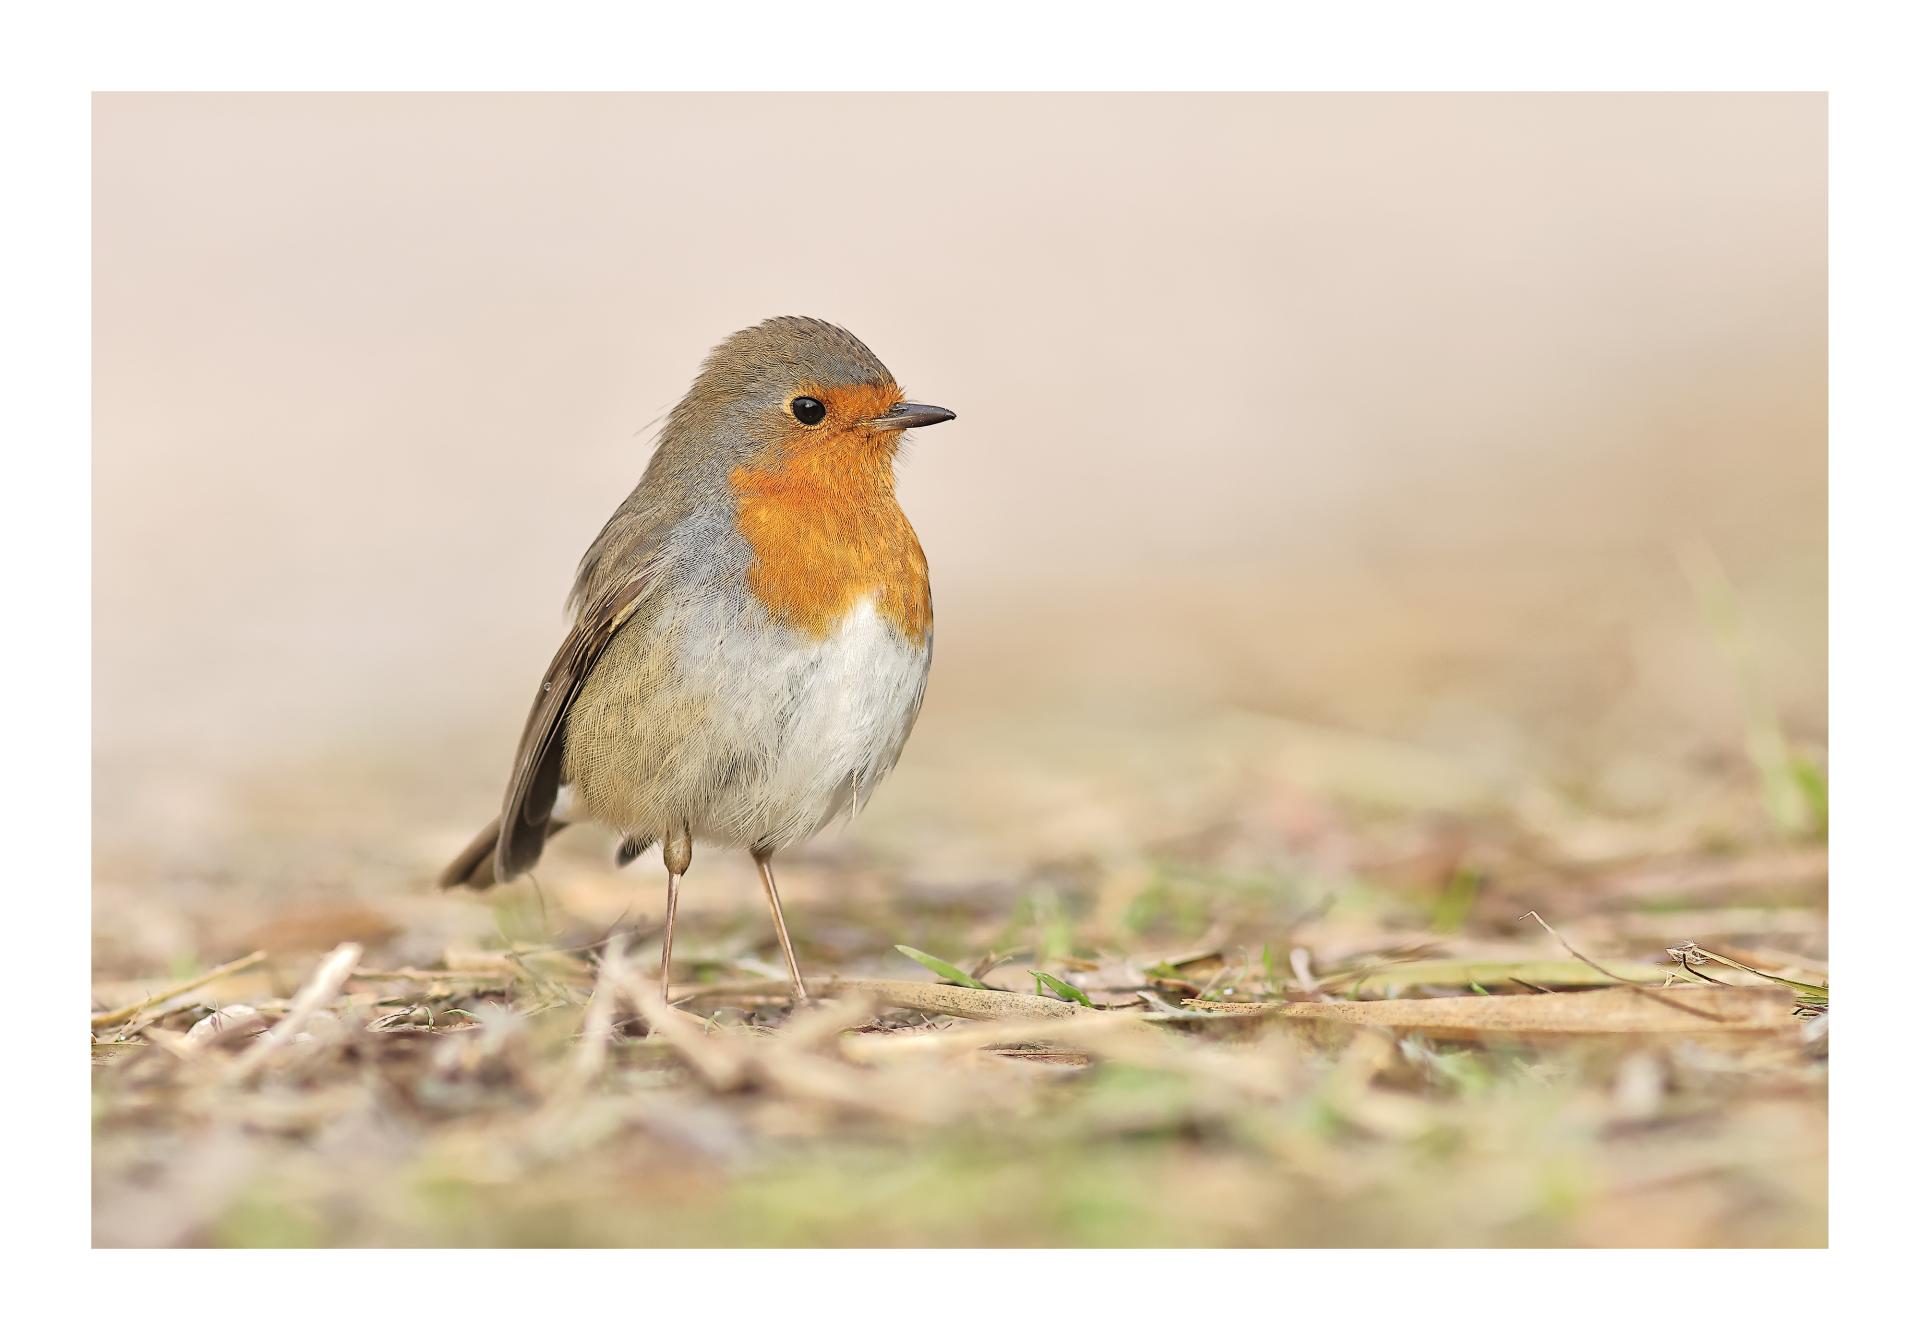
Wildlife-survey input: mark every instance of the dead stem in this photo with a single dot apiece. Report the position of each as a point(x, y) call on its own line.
point(110, 1018)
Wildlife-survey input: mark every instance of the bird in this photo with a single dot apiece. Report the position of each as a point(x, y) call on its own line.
point(752, 628)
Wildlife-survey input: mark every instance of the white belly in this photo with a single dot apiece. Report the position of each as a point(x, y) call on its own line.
point(755, 734)
point(748, 732)
point(834, 714)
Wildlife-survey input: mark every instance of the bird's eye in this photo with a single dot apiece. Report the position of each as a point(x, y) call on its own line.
point(808, 410)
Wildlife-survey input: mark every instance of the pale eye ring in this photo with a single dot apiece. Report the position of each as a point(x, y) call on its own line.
point(808, 410)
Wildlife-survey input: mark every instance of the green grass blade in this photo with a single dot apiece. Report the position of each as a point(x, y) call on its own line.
point(943, 968)
point(1064, 990)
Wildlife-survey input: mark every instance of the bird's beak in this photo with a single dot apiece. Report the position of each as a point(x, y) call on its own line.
point(909, 415)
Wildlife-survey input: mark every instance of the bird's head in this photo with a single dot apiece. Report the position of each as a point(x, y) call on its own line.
point(798, 393)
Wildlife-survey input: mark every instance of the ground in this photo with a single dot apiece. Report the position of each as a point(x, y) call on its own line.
point(495, 1071)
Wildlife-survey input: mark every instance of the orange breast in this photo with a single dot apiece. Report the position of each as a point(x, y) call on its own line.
point(826, 532)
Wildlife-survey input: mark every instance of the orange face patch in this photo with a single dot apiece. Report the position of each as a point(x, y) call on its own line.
point(818, 510)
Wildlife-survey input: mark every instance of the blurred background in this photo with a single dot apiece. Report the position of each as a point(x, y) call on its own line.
point(1379, 412)
point(1348, 491)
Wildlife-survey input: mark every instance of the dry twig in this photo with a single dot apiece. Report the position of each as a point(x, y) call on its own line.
point(110, 1018)
point(325, 983)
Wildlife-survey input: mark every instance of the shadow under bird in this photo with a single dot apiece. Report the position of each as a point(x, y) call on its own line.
point(752, 627)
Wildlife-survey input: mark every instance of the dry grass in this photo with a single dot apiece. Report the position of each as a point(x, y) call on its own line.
point(1265, 1062)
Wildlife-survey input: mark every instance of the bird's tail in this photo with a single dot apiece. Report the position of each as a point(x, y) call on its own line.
point(474, 867)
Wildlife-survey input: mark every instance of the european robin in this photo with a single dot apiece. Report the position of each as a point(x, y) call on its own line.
point(751, 629)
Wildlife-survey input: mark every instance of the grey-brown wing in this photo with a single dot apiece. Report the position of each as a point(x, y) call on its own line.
point(535, 781)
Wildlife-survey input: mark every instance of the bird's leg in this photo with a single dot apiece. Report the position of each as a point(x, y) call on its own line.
point(677, 851)
point(765, 861)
